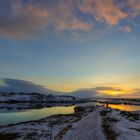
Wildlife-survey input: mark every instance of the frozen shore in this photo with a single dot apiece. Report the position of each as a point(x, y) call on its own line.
point(87, 123)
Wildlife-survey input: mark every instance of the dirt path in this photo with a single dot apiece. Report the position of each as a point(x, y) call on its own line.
point(89, 128)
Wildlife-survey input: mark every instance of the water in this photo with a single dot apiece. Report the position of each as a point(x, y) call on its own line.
point(12, 117)
point(122, 107)
point(125, 107)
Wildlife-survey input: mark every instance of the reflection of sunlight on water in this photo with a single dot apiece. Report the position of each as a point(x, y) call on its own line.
point(49, 111)
point(125, 107)
point(33, 114)
point(121, 106)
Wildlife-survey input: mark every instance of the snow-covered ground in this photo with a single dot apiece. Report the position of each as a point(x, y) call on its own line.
point(127, 126)
point(43, 129)
point(89, 128)
point(87, 123)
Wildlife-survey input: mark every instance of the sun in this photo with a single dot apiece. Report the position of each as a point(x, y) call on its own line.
point(112, 92)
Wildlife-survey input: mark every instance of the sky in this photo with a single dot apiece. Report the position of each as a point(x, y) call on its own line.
point(69, 45)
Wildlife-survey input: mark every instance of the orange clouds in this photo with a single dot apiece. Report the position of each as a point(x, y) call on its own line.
point(103, 10)
point(111, 92)
point(74, 24)
point(64, 19)
point(110, 11)
point(33, 17)
point(117, 92)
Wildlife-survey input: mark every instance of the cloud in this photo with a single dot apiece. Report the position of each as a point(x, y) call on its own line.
point(15, 85)
point(19, 19)
point(103, 10)
point(73, 24)
point(117, 92)
point(23, 20)
point(97, 92)
point(134, 93)
point(125, 29)
point(134, 6)
point(107, 92)
point(85, 93)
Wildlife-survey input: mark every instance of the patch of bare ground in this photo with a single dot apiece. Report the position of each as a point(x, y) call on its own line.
point(138, 130)
point(107, 125)
point(130, 115)
point(9, 136)
point(31, 136)
point(62, 132)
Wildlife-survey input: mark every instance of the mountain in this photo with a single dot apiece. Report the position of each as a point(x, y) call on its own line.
point(34, 97)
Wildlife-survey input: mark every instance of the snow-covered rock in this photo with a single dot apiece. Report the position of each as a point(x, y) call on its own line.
point(33, 97)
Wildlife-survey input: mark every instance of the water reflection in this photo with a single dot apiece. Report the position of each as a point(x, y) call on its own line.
point(125, 107)
point(34, 114)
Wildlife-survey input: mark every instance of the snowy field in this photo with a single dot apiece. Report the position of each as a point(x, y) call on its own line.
point(87, 123)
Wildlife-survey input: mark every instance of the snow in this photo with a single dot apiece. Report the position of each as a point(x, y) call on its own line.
point(124, 127)
point(64, 98)
point(71, 127)
point(15, 97)
point(41, 128)
point(89, 128)
point(27, 97)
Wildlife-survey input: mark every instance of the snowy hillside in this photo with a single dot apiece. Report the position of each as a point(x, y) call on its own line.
point(31, 97)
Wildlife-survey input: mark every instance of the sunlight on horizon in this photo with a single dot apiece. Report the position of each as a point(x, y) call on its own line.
point(93, 43)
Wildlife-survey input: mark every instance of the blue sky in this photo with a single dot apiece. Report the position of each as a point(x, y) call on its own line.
point(90, 44)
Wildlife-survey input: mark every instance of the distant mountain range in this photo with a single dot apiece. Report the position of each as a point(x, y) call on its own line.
point(17, 86)
point(34, 97)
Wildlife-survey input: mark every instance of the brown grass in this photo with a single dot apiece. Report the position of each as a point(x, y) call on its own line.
point(9, 136)
point(62, 132)
point(107, 125)
point(131, 116)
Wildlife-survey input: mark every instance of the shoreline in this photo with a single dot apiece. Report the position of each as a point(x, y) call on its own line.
point(63, 124)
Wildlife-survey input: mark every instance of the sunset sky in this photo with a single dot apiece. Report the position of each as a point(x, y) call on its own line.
point(66, 45)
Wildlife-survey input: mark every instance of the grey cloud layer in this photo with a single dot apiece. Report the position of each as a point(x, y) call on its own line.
point(16, 85)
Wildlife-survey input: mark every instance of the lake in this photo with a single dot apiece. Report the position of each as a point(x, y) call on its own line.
point(12, 117)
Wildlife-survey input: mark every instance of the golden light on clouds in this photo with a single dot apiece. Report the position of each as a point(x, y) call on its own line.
point(27, 19)
point(112, 92)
